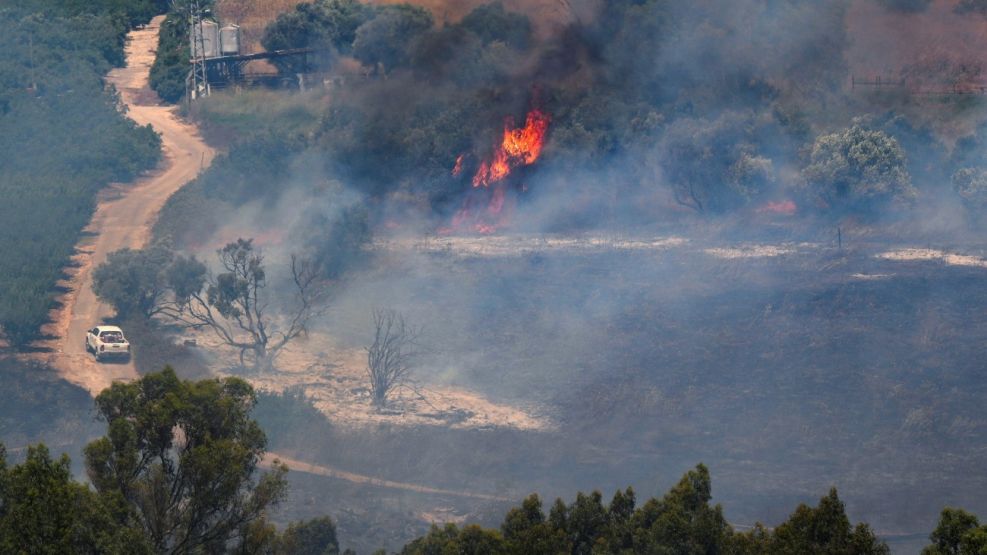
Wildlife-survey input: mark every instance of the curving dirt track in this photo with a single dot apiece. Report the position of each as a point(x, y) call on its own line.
point(124, 217)
point(270, 459)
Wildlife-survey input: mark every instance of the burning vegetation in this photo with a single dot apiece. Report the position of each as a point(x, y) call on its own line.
point(520, 146)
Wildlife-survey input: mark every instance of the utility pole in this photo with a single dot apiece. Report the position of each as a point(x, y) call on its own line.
point(200, 81)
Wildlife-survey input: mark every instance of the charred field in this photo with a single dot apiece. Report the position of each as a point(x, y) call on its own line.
point(786, 367)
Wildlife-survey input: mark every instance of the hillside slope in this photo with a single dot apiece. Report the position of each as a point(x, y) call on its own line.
point(125, 220)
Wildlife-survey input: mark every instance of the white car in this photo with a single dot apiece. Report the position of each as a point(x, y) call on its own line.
point(107, 341)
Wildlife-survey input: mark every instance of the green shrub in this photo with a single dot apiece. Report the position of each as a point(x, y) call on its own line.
point(62, 138)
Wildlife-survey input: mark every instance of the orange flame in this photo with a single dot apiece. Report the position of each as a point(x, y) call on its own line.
point(519, 147)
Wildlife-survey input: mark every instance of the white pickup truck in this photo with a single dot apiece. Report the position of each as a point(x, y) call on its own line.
point(107, 341)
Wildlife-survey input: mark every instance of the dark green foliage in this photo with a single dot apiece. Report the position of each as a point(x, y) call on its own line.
point(824, 529)
point(133, 11)
point(333, 227)
point(254, 169)
point(42, 510)
point(714, 166)
point(589, 126)
point(280, 413)
point(118, 13)
point(412, 146)
point(616, 87)
point(175, 474)
point(971, 185)
point(381, 37)
point(717, 101)
point(858, 168)
point(470, 540)
point(62, 138)
point(182, 457)
point(313, 537)
point(958, 533)
point(171, 63)
point(386, 40)
point(342, 237)
point(133, 281)
point(38, 406)
point(526, 530)
point(328, 26)
point(681, 522)
point(927, 160)
point(140, 283)
point(227, 294)
point(491, 22)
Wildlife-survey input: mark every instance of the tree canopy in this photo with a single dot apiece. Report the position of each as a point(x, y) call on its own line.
point(681, 521)
point(42, 510)
point(958, 533)
point(182, 457)
point(134, 281)
point(325, 25)
point(713, 166)
point(62, 138)
point(177, 472)
point(858, 168)
point(387, 39)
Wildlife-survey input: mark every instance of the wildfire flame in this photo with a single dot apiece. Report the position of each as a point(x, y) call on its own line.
point(520, 146)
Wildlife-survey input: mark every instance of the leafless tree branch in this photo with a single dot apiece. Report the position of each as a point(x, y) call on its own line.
point(391, 357)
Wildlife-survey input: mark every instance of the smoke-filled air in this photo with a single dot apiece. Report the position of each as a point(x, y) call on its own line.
point(369, 275)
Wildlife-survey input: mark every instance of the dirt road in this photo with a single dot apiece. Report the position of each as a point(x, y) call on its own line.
point(124, 218)
point(317, 470)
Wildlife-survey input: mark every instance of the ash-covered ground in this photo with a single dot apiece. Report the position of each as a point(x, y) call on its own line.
point(786, 367)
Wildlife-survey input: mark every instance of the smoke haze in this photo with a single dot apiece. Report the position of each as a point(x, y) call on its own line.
point(663, 285)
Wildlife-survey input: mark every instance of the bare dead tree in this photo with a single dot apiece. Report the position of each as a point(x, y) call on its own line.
point(390, 358)
point(234, 307)
point(687, 195)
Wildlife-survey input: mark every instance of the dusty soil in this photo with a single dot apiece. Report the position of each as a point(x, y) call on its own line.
point(520, 245)
point(333, 376)
point(933, 255)
point(124, 215)
point(270, 459)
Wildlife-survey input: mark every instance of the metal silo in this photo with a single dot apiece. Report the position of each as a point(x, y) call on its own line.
point(205, 40)
point(229, 40)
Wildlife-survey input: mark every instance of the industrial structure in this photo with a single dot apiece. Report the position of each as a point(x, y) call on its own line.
point(217, 59)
